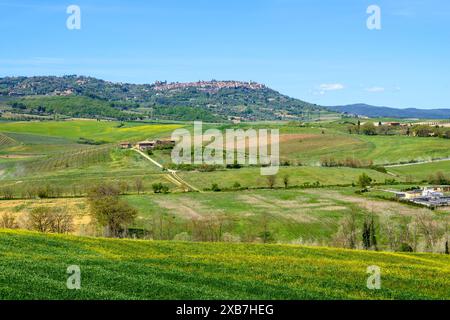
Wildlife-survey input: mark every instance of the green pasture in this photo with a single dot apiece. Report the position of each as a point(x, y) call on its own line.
point(133, 269)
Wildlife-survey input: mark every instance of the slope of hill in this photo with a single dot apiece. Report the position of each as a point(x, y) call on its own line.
point(222, 98)
point(376, 112)
point(34, 267)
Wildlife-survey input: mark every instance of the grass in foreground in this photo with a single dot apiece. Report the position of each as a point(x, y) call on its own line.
point(33, 266)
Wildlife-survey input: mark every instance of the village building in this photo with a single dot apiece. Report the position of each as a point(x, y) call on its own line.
point(431, 197)
point(125, 145)
point(154, 144)
point(145, 145)
point(165, 143)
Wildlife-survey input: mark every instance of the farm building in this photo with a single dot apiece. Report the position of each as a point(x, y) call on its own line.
point(164, 143)
point(150, 145)
point(125, 145)
point(145, 145)
point(408, 195)
point(429, 196)
point(433, 202)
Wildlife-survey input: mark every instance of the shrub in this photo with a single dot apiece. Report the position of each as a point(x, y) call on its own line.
point(364, 181)
point(369, 129)
point(286, 181)
point(160, 188)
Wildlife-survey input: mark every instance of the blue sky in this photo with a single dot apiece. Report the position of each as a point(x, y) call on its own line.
point(316, 50)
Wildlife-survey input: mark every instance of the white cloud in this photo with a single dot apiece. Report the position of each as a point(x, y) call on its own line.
point(331, 86)
point(324, 87)
point(375, 89)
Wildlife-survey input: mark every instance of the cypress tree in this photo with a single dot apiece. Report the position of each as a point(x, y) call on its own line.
point(366, 235)
point(373, 236)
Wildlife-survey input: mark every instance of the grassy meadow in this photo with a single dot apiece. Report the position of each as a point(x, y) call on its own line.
point(110, 131)
point(133, 269)
point(298, 176)
point(421, 172)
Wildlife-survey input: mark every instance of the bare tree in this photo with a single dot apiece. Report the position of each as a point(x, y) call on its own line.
point(8, 221)
point(62, 221)
point(347, 234)
point(430, 229)
point(139, 184)
point(40, 219)
point(271, 180)
point(48, 219)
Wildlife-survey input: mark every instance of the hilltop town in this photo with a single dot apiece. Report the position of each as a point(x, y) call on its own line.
point(208, 86)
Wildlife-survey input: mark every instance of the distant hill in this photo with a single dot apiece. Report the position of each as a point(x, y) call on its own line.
point(374, 112)
point(181, 101)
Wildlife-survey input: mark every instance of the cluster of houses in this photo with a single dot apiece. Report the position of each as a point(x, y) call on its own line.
point(431, 197)
point(213, 85)
point(148, 144)
point(392, 124)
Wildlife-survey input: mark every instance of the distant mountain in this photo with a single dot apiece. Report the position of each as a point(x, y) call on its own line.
point(374, 112)
point(216, 99)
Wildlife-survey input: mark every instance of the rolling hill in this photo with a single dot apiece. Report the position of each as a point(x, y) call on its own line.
point(217, 100)
point(386, 112)
point(134, 269)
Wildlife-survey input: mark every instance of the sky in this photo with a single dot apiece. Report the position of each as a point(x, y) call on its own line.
point(320, 51)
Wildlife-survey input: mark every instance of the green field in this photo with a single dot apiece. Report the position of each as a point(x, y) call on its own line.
point(419, 172)
point(309, 146)
point(29, 141)
point(291, 216)
point(121, 166)
point(31, 151)
point(132, 269)
point(298, 176)
point(110, 131)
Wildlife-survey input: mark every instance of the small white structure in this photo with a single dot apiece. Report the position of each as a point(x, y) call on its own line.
point(432, 193)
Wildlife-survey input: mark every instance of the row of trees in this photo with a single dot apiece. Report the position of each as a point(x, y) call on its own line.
point(271, 182)
point(347, 162)
point(363, 181)
point(370, 129)
point(439, 178)
point(424, 232)
point(42, 219)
